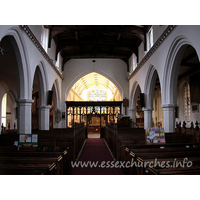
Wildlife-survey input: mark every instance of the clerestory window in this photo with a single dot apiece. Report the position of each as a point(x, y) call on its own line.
point(149, 38)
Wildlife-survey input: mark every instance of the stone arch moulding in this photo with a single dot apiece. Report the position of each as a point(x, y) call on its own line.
point(18, 42)
point(99, 72)
point(149, 86)
point(43, 83)
point(132, 94)
point(171, 70)
point(57, 93)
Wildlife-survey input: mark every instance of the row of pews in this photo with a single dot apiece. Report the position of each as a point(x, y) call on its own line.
point(33, 163)
point(53, 155)
point(180, 154)
point(183, 159)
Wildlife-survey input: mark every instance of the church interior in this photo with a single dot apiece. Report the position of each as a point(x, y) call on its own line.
point(125, 97)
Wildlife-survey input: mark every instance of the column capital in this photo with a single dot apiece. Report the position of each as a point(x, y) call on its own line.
point(132, 110)
point(24, 101)
point(168, 105)
point(147, 109)
point(45, 107)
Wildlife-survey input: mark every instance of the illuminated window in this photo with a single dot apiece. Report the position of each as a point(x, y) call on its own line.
point(187, 102)
point(44, 38)
point(58, 60)
point(97, 96)
point(149, 37)
point(3, 109)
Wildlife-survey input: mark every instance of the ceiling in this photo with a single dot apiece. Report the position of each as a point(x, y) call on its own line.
point(97, 41)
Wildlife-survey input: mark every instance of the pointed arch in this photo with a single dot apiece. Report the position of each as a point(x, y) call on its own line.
point(149, 86)
point(133, 95)
point(23, 68)
point(171, 70)
point(55, 87)
point(115, 82)
point(42, 80)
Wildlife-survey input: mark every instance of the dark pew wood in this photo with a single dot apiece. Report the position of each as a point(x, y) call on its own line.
point(34, 161)
point(27, 170)
point(60, 159)
point(144, 156)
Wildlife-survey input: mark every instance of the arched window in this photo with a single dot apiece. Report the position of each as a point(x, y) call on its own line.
point(3, 109)
point(97, 95)
point(133, 62)
point(187, 102)
point(44, 38)
point(149, 38)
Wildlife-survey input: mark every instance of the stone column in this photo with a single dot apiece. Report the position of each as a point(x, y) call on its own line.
point(147, 117)
point(44, 117)
point(169, 117)
point(133, 114)
point(24, 115)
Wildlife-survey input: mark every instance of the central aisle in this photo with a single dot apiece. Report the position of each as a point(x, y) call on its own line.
point(96, 152)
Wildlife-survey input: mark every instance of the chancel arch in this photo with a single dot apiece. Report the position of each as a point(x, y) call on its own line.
point(102, 102)
point(108, 79)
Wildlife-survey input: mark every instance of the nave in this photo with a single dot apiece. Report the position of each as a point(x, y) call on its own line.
point(95, 152)
point(58, 149)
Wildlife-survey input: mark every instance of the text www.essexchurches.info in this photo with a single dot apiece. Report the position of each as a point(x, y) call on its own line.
point(133, 163)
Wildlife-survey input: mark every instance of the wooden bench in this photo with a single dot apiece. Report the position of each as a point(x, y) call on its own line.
point(27, 170)
point(144, 156)
point(59, 159)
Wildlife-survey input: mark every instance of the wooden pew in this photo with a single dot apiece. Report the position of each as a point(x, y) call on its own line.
point(34, 161)
point(59, 159)
point(114, 136)
point(71, 137)
point(144, 156)
point(27, 170)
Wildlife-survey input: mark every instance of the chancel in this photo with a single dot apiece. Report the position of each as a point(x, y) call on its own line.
point(111, 95)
